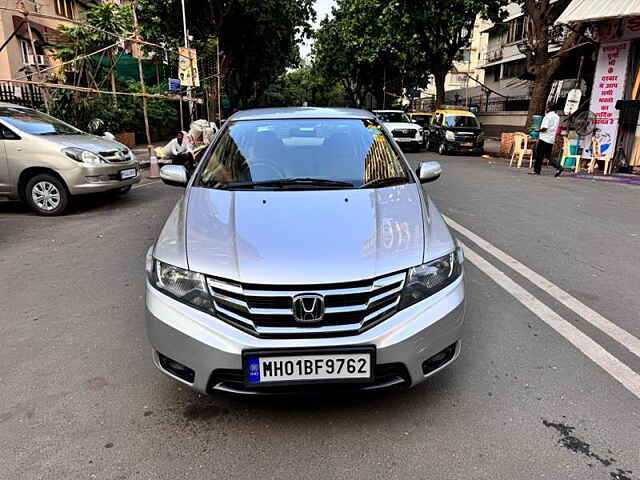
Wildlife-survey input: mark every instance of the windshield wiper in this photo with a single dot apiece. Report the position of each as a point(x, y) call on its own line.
point(384, 182)
point(284, 182)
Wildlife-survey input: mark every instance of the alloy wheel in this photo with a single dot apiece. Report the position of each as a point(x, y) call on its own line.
point(45, 195)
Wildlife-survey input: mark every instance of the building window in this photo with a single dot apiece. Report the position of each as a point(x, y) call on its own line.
point(514, 69)
point(64, 8)
point(516, 29)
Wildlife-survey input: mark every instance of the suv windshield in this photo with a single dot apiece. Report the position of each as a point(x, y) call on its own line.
point(393, 117)
point(464, 121)
point(290, 154)
point(35, 123)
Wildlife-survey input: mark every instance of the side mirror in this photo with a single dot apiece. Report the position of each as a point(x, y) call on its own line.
point(174, 175)
point(429, 171)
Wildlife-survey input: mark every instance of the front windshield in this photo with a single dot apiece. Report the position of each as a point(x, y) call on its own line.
point(422, 120)
point(463, 121)
point(35, 123)
point(323, 153)
point(393, 117)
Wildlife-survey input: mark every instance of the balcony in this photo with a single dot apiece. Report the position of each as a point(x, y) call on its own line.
point(491, 56)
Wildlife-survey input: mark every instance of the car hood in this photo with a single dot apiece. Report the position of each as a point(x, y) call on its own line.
point(394, 125)
point(92, 143)
point(304, 237)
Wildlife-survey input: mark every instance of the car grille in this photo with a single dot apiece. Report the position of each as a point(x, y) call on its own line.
point(116, 156)
point(266, 310)
point(466, 137)
point(405, 133)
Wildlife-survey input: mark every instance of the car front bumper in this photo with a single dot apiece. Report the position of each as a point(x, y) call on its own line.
point(100, 178)
point(416, 141)
point(212, 348)
point(460, 146)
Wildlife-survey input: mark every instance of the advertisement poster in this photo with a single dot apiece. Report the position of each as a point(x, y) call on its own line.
point(608, 88)
point(188, 67)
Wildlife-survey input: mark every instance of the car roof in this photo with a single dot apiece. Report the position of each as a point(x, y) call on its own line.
point(456, 112)
point(299, 113)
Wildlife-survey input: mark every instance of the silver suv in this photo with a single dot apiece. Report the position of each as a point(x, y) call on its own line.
point(303, 255)
point(44, 161)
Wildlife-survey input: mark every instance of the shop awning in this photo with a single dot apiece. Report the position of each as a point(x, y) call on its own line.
point(593, 10)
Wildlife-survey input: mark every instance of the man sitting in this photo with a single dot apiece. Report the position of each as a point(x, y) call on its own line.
point(180, 151)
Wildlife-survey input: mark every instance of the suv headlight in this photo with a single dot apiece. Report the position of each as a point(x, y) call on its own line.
point(84, 156)
point(183, 285)
point(426, 279)
point(449, 135)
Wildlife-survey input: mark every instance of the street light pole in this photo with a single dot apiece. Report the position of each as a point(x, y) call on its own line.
point(186, 45)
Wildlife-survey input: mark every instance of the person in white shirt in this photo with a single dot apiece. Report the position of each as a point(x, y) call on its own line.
point(548, 130)
point(180, 151)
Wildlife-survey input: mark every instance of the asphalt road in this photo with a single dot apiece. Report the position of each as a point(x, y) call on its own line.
point(80, 398)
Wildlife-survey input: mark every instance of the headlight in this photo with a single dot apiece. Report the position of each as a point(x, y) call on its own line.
point(84, 156)
point(449, 135)
point(183, 285)
point(426, 279)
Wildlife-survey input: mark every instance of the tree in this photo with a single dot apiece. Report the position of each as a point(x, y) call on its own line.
point(442, 30)
point(258, 38)
point(359, 48)
point(543, 65)
point(304, 84)
point(80, 40)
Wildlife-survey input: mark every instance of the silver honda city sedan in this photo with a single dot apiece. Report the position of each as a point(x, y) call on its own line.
point(304, 255)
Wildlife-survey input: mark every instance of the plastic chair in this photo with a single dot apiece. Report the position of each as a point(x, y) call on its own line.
point(566, 154)
point(520, 149)
point(596, 154)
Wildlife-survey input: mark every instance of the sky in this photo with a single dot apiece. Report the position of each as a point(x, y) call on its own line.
point(323, 8)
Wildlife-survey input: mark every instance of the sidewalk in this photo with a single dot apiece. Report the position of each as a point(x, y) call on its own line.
point(143, 155)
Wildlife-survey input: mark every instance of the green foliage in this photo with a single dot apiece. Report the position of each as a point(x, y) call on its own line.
point(304, 84)
point(360, 47)
point(80, 40)
point(258, 38)
point(126, 116)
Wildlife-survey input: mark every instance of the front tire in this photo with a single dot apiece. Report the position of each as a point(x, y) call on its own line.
point(442, 149)
point(47, 195)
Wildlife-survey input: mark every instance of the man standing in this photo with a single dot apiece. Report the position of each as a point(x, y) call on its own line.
point(548, 130)
point(180, 151)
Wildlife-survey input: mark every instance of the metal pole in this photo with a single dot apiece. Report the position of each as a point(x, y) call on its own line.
point(186, 45)
point(384, 88)
point(152, 174)
point(35, 58)
point(219, 81)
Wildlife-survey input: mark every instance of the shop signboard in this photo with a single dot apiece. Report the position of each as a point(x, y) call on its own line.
point(608, 88)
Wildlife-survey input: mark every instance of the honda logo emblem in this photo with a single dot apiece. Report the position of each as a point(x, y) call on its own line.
point(308, 308)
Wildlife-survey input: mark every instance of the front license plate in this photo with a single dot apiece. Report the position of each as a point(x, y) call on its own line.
point(308, 367)
point(467, 144)
point(128, 173)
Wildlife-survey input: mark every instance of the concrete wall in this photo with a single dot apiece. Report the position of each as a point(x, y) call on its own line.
point(496, 123)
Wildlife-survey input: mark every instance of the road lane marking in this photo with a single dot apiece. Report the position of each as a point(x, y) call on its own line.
point(614, 367)
point(619, 334)
point(146, 184)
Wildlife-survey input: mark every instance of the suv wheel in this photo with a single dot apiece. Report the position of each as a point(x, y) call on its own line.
point(442, 149)
point(47, 195)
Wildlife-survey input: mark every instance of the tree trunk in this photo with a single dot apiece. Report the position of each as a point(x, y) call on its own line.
point(439, 79)
point(540, 94)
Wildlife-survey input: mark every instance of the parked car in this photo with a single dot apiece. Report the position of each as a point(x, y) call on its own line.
point(304, 254)
point(404, 131)
point(455, 130)
point(45, 161)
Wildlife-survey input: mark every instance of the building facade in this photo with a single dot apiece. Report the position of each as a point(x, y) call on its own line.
point(458, 78)
point(18, 57)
